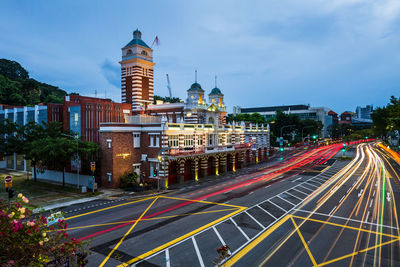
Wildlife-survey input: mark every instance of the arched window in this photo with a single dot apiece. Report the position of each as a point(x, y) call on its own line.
point(144, 53)
point(211, 120)
point(129, 52)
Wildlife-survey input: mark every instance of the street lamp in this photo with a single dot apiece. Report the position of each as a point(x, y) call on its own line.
point(77, 156)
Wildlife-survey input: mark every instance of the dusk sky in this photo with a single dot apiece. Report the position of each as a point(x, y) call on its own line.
point(338, 53)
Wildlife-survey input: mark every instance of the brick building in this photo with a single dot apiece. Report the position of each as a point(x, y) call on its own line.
point(174, 141)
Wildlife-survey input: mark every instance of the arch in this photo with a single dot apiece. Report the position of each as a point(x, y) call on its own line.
point(173, 172)
point(211, 120)
point(129, 52)
point(229, 163)
point(144, 53)
point(210, 165)
point(188, 171)
point(238, 164)
point(247, 156)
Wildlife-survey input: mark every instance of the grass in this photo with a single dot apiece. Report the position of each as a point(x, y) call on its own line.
point(41, 193)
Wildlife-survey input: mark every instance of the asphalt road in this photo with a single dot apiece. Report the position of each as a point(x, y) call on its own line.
point(258, 215)
point(350, 220)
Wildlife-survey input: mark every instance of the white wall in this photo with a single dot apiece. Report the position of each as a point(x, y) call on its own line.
point(55, 176)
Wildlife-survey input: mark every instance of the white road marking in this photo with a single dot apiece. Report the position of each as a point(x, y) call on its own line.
point(267, 212)
point(198, 252)
point(220, 238)
point(287, 201)
point(286, 192)
point(348, 190)
point(251, 192)
point(332, 210)
point(366, 219)
point(277, 206)
point(297, 179)
point(240, 229)
point(373, 194)
point(370, 205)
point(254, 219)
point(342, 198)
point(359, 194)
point(167, 263)
point(267, 186)
point(301, 192)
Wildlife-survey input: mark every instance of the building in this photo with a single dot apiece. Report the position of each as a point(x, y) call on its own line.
point(80, 114)
point(176, 142)
point(302, 111)
point(364, 112)
point(137, 69)
point(347, 117)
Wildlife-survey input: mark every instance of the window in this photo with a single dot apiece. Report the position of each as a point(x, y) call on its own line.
point(220, 139)
point(136, 140)
point(109, 143)
point(173, 141)
point(200, 139)
point(154, 140)
point(136, 168)
point(129, 52)
point(144, 53)
point(229, 139)
point(188, 141)
point(211, 139)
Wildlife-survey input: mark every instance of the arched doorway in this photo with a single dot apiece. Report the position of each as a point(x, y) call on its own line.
point(237, 162)
point(210, 166)
point(188, 175)
point(247, 156)
point(229, 162)
point(173, 172)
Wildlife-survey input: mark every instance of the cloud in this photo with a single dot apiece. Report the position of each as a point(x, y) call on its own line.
point(111, 72)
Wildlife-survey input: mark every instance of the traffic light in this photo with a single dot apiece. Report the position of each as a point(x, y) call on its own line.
point(281, 149)
point(155, 173)
point(10, 193)
point(344, 145)
point(314, 136)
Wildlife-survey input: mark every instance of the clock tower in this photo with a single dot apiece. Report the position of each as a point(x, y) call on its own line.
point(137, 68)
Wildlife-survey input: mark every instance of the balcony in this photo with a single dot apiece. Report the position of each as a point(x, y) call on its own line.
point(143, 119)
point(203, 150)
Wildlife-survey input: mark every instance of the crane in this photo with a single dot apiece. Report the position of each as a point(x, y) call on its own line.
point(169, 86)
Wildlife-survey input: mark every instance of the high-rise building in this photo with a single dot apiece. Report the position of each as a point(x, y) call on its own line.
point(364, 112)
point(137, 72)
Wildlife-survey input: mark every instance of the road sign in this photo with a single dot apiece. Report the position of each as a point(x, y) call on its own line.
point(92, 166)
point(8, 181)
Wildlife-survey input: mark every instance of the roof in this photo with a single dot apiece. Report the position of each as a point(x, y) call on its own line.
point(215, 91)
point(196, 86)
point(137, 39)
point(137, 42)
point(275, 108)
point(331, 112)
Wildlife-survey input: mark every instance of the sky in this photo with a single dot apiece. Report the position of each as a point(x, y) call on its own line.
point(338, 54)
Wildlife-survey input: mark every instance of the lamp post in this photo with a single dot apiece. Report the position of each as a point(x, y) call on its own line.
point(77, 156)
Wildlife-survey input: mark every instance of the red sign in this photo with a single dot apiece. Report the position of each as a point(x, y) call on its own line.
point(8, 179)
point(92, 165)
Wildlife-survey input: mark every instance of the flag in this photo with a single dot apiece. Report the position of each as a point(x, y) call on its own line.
point(156, 41)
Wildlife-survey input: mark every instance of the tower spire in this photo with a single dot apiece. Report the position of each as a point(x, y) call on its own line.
point(195, 75)
point(215, 81)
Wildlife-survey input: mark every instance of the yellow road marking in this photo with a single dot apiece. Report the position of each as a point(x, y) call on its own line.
point(144, 255)
point(116, 206)
point(345, 226)
point(127, 233)
point(304, 242)
point(148, 219)
point(357, 252)
point(202, 201)
point(255, 242)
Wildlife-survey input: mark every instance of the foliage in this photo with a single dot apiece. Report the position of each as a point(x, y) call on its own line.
point(16, 88)
point(27, 240)
point(387, 119)
point(44, 144)
point(167, 99)
point(246, 117)
point(223, 254)
point(129, 180)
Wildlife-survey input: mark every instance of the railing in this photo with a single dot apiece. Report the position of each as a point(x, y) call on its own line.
point(202, 149)
point(143, 119)
point(245, 145)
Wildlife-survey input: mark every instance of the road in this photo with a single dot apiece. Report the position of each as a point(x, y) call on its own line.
point(350, 220)
point(259, 215)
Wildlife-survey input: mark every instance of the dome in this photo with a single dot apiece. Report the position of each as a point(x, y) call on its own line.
point(137, 34)
point(216, 91)
point(196, 86)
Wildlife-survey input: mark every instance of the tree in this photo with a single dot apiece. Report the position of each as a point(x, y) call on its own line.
point(380, 117)
point(12, 69)
point(27, 239)
point(167, 99)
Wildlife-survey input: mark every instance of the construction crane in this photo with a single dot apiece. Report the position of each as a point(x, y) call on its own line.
point(169, 86)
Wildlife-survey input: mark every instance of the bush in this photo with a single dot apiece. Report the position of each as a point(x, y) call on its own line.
point(27, 240)
point(129, 180)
